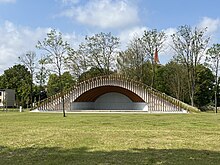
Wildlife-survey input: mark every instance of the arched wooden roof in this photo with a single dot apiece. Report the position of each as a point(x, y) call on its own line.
point(92, 94)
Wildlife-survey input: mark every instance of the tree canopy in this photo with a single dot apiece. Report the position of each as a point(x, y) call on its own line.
point(18, 78)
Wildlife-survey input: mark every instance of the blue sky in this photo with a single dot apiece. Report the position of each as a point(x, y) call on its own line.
point(24, 22)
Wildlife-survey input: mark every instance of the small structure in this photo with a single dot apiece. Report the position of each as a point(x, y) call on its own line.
point(7, 98)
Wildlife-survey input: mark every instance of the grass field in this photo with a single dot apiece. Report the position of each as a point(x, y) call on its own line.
point(43, 138)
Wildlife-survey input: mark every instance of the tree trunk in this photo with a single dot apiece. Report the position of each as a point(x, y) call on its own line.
point(216, 108)
point(193, 91)
point(192, 97)
point(216, 87)
point(31, 99)
point(190, 85)
point(153, 69)
point(63, 106)
point(62, 94)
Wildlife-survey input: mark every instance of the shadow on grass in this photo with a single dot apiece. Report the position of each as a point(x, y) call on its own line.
point(85, 156)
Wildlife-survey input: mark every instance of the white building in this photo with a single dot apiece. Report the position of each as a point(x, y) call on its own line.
point(7, 97)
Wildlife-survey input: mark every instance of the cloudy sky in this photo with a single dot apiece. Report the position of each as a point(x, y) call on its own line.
point(24, 22)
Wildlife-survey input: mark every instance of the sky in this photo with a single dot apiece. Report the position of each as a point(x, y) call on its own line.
point(24, 22)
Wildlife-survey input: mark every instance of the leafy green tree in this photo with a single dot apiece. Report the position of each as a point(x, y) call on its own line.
point(28, 59)
point(93, 72)
point(100, 51)
point(131, 61)
point(18, 78)
point(189, 45)
point(131, 64)
point(42, 74)
point(41, 79)
point(2, 84)
point(171, 79)
point(56, 50)
point(76, 62)
point(53, 86)
point(39, 93)
point(204, 86)
point(68, 80)
point(134, 62)
point(213, 59)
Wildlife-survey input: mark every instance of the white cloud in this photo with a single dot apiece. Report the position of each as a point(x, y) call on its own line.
point(168, 42)
point(213, 28)
point(104, 13)
point(16, 40)
point(167, 53)
point(127, 35)
point(212, 25)
point(73, 39)
point(70, 1)
point(7, 1)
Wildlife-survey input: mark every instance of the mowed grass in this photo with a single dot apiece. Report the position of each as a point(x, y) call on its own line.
point(105, 139)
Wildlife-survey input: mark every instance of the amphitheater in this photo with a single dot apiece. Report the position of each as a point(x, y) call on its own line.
point(111, 94)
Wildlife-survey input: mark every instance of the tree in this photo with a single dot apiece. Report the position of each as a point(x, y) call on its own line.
point(76, 62)
point(41, 75)
point(93, 72)
point(100, 51)
point(18, 78)
point(28, 60)
point(53, 85)
point(41, 79)
point(131, 61)
point(214, 58)
point(40, 93)
point(204, 86)
point(68, 80)
point(171, 79)
point(2, 84)
point(189, 45)
point(56, 50)
point(152, 41)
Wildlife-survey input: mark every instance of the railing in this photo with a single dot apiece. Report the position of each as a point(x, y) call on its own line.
point(156, 100)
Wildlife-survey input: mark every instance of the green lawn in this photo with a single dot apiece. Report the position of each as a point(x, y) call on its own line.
point(105, 139)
